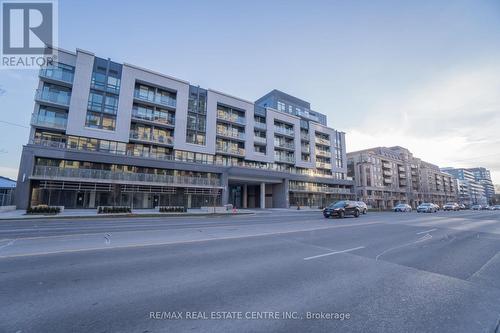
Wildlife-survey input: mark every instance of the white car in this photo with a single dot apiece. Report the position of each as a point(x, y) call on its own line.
point(476, 207)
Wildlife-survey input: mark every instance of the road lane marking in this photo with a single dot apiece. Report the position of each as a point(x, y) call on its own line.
point(426, 231)
point(336, 252)
point(8, 244)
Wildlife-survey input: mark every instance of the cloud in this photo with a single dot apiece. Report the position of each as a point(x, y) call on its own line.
point(453, 120)
point(8, 172)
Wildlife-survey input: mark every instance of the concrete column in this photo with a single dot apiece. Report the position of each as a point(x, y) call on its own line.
point(92, 199)
point(225, 190)
point(245, 195)
point(262, 195)
point(189, 201)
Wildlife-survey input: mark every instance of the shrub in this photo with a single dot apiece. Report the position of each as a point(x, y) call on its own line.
point(172, 209)
point(113, 209)
point(43, 209)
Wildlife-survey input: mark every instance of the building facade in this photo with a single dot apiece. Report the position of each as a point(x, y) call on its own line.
point(475, 186)
point(104, 133)
point(387, 176)
point(7, 191)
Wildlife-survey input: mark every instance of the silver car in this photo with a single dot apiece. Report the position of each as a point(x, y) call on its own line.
point(402, 208)
point(426, 208)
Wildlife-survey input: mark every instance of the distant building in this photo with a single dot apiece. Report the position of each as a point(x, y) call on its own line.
point(387, 176)
point(472, 188)
point(7, 190)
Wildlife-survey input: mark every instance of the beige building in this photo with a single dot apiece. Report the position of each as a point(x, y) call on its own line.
point(387, 176)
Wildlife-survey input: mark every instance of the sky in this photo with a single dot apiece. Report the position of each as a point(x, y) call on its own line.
point(424, 75)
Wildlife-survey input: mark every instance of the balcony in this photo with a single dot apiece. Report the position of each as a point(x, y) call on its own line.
point(231, 134)
point(260, 125)
point(402, 169)
point(57, 74)
point(386, 165)
point(323, 153)
point(387, 181)
point(234, 118)
point(322, 141)
point(308, 115)
point(48, 121)
point(150, 118)
point(283, 130)
point(323, 165)
point(284, 145)
point(387, 173)
point(321, 189)
point(156, 99)
point(304, 136)
point(55, 173)
point(167, 140)
point(284, 158)
point(231, 150)
point(305, 149)
point(59, 98)
point(259, 139)
point(402, 175)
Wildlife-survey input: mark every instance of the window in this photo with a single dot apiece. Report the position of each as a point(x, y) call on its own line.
point(281, 107)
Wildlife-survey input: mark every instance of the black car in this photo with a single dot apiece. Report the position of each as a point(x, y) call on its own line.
point(341, 209)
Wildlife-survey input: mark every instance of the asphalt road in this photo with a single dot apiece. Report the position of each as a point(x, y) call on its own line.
point(383, 272)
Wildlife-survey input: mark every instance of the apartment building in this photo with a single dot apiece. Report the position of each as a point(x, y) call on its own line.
point(474, 187)
point(106, 133)
point(387, 176)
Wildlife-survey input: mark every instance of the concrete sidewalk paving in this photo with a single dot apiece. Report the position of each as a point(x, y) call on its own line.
point(20, 214)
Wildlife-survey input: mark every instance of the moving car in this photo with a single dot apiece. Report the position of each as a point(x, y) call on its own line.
point(463, 207)
point(362, 207)
point(451, 206)
point(402, 208)
point(496, 207)
point(476, 207)
point(341, 209)
point(427, 208)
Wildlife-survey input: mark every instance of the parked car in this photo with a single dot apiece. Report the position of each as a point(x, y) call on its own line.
point(496, 207)
point(491, 207)
point(451, 206)
point(341, 209)
point(402, 208)
point(476, 207)
point(426, 208)
point(485, 207)
point(436, 206)
point(362, 207)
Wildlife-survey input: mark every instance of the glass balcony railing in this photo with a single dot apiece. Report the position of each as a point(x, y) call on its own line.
point(231, 150)
point(322, 141)
point(305, 149)
point(304, 136)
point(120, 150)
point(231, 134)
point(55, 97)
point(285, 145)
point(284, 158)
point(283, 130)
point(58, 74)
point(260, 125)
point(231, 117)
point(324, 153)
point(152, 138)
point(323, 189)
point(259, 139)
point(323, 165)
point(169, 120)
point(47, 172)
point(157, 99)
point(48, 121)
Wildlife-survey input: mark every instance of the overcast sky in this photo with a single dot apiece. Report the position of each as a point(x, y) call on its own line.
point(420, 74)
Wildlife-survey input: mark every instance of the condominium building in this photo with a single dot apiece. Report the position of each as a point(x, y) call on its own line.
point(474, 185)
point(105, 133)
point(387, 176)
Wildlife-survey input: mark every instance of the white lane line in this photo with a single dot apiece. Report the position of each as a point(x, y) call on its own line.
point(426, 231)
point(336, 252)
point(8, 244)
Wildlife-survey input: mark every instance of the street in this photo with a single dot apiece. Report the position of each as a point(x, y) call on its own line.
point(382, 272)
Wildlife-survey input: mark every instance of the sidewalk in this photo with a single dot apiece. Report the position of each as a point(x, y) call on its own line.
point(20, 214)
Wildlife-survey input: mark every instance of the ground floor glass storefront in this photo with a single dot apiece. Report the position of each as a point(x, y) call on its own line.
point(319, 200)
point(88, 195)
